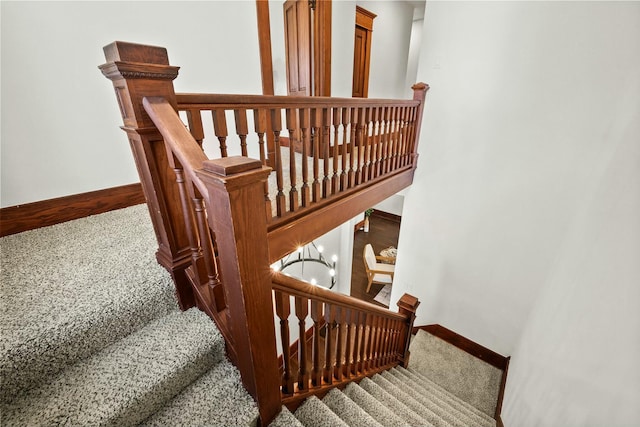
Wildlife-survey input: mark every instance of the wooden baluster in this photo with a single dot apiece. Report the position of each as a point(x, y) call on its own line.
point(292, 126)
point(412, 135)
point(276, 126)
point(344, 177)
point(395, 342)
point(242, 129)
point(326, 143)
point(386, 149)
point(220, 129)
point(305, 123)
point(316, 121)
point(362, 364)
point(377, 151)
point(302, 310)
point(316, 316)
point(357, 345)
point(283, 309)
point(360, 142)
point(353, 147)
point(375, 350)
point(395, 139)
point(367, 141)
point(215, 285)
point(260, 126)
point(335, 178)
point(192, 234)
point(329, 317)
point(194, 119)
point(349, 336)
point(385, 341)
point(389, 340)
point(371, 351)
point(404, 133)
point(382, 341)
point(340, 315)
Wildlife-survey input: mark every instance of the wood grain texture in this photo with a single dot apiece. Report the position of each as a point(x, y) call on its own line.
point(16, 219)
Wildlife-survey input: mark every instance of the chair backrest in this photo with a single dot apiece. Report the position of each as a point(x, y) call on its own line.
point(369, 256)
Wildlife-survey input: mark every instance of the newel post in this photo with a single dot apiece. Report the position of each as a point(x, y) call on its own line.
point(407, 305)
point(138, 71)
point(419, 94)
point(236, 215)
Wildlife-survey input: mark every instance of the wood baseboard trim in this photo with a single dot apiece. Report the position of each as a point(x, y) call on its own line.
point(491, 357)
point(386, 215)
point(19, 218)
point(499, 422)
point(473, 348)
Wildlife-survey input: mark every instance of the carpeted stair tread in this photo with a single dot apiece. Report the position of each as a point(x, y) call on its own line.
point(443, 397)
point(72, 289)
point(412, 401)
point(129, 380)
point(314, 413)
point(372, 406)
point(347, 410)
point(446, 413)
point(399, 408)
point(285, 419)
point(217, 398)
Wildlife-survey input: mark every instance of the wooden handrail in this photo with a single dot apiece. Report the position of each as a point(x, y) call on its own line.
point(181, 143)
point(229, 101)
point(297, 287)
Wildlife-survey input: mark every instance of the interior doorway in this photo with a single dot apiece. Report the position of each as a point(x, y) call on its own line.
point(362, 52)
point(307, 29)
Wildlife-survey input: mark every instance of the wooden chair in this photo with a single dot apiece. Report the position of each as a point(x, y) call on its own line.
point(377, 272)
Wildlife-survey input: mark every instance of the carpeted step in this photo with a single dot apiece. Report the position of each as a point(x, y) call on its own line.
point(127, 381)
point(314, 413)
point(447, 413)
point(217, 398)
point(399, 408)
point(347, 410)
point(372, 406)
point(421, 407)
point(72, 289)
point(445, 398)
point(285, 419)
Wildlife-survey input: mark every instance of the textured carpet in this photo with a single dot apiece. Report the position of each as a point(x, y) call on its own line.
point(91, 333)
point(467, 377)
point(397, 398)
point(72, 289)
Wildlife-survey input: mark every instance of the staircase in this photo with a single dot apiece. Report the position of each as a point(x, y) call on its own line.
point(398, 397)
point(92, 335)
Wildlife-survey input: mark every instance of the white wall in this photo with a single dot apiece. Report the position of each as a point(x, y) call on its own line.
point(60, 120)
point(521, 230)
point(389, 48)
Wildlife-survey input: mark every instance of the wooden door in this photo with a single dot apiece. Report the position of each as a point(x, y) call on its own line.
point(362, 52)
point(297, 37)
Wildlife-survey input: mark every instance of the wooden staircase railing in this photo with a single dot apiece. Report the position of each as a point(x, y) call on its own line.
point(350, 339)
point(218, 234)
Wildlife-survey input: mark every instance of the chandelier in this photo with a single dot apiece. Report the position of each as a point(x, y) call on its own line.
point(309, 253)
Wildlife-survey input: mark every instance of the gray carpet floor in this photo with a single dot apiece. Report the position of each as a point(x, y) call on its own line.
point(92, 335)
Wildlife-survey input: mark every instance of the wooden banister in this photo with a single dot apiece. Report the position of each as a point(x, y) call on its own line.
point(220, 225)
point(356, 339)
